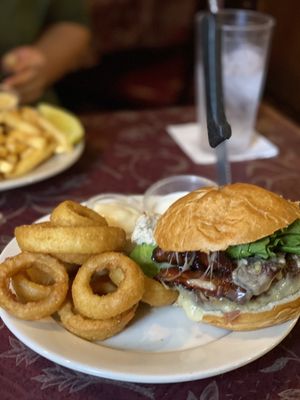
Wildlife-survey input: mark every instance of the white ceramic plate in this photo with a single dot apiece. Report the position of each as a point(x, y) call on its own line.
point(161, 345)
point(49, 168)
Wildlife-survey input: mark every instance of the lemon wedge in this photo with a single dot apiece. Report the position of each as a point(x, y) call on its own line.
point(64, 121)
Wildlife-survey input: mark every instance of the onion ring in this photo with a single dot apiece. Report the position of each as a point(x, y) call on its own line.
point(39, 276)
point(129, 291)
point(93, 329)
point(47, 238)
point(28, 290)
point(157, 295)
point(44, 307)
point(102, 284)
point(70, 213)
point(71, 258)
point(32, 285)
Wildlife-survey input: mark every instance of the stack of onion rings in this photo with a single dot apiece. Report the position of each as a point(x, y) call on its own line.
point(107, 287)
point(35, 295)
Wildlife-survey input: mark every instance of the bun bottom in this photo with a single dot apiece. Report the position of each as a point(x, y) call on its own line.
point(237, 320)
point(246, 321)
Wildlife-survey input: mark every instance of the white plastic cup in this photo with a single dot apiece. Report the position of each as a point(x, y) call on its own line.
point(161, 194)
point(246, 37)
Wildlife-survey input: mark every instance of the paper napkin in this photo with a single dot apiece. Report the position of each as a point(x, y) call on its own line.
point(187, 138)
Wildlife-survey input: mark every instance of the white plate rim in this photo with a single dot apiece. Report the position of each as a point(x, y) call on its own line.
point(53, 166)
point(231, 351)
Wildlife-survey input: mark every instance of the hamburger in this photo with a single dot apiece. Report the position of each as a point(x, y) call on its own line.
point(233, 253)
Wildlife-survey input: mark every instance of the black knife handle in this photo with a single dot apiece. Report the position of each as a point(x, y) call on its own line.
point(217, 126)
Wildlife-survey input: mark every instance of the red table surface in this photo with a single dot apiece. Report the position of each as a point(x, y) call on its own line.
point(125, 152)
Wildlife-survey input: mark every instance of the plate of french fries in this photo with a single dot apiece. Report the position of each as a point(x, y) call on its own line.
point(37, 143)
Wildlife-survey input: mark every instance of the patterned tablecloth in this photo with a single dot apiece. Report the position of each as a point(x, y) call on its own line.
point(125, 152)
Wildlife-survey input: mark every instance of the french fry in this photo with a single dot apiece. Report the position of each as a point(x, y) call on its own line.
point(13, 120)
point(33, 158)
point(6, 167)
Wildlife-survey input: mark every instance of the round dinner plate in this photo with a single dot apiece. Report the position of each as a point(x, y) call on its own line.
point(161, 345)
point(49, 168)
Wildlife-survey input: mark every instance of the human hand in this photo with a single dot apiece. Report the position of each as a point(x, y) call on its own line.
point(26, 70)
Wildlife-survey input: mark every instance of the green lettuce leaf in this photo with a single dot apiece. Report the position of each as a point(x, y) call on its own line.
point(142, 254)
point(285, 240)
point(261, 248)
point(289, 239)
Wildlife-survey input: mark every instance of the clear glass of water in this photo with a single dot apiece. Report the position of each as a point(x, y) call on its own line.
point(246, 37)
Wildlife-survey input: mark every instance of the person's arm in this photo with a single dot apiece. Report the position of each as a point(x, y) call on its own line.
point(58, 51)
point(64, 45)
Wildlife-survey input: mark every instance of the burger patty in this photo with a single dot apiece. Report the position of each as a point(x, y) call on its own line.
point(217, 275)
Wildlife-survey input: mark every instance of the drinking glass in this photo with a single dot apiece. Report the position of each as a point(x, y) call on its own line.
point(245, 42)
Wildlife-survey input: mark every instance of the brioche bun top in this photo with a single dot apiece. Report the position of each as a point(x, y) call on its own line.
point(214, 218)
